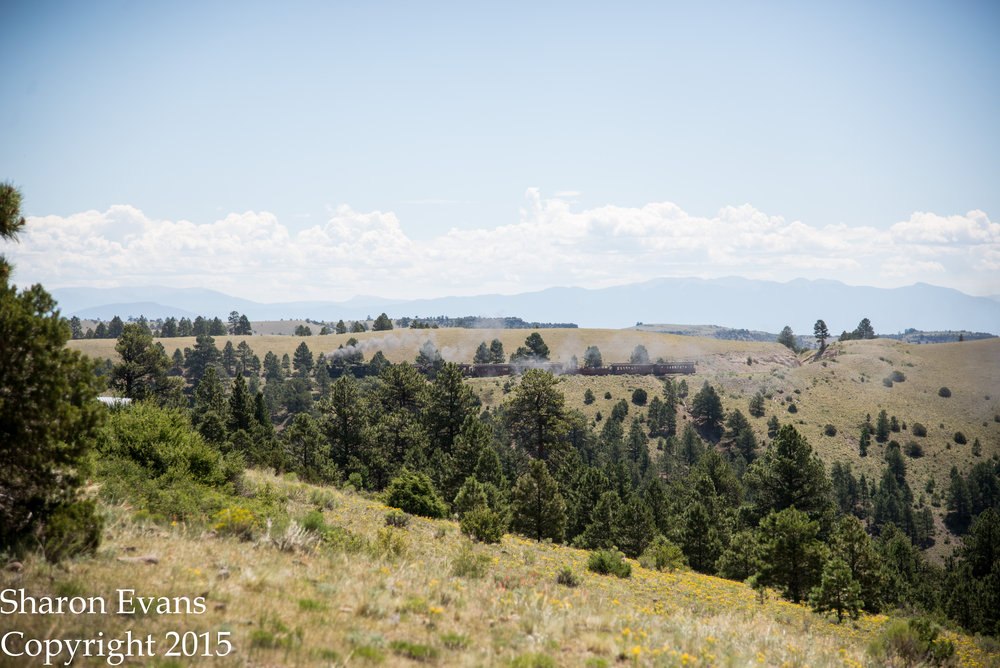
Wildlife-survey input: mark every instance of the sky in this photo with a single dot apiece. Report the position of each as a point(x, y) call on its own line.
point(420, 149)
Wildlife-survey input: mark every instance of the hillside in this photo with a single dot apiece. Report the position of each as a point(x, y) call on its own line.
point(372, 595)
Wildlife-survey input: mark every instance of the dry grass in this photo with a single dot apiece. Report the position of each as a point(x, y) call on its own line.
point(331, 607)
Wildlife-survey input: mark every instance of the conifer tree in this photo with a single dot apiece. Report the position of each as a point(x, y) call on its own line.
point(837, 591)
point(791, 557)
point(241, 406)
point(538, 507)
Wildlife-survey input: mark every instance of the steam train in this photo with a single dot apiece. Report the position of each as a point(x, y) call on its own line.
point(492, 370)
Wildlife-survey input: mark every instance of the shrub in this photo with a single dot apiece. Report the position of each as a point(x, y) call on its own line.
point(237, 522)
point(897, 376)
point(913, 449)
point(887, 381)
point(567, 577)
point(919, 429)
point(944, 392)
point(830, 430)
point(607, 395)
point(483, 524)
point(639, 397)
point(390, 543)
point(470, 564)
point(588, 397)
point(415, 651)
point(915, 642)
point(960, 438)
point(662, 555)
point(792, 408)
point(414, 493)
point(72, 529)
point(609, 562)
point(313, 521)
point(396, 518)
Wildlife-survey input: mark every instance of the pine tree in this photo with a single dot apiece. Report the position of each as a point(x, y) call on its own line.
point(787, 337)
point(482, 355)
point(837, 592)
point(882, 426)
point(599, 533)
point(241, 407)
point(788, 474)
point(497, 354)
point(592, 358)
point(142, 371)
point(303, 361)
point(536, 414)
point(634, 527)
point(49, 415)
point(229, 358)
point(821, 333)
point(791, 557)
point(341, 327)
point(639, 355)
point(538, 507)
point(382, 323)
point(707, 409)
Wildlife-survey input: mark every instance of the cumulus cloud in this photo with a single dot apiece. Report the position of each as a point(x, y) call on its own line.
point(253, 254)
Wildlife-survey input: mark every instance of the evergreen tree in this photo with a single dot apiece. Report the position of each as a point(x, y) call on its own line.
point(245, 359)
point(787, 337)
point(203, 355)
point(791, 557)
point(788, 474)
point(634, 527)
point(482, 355)
point(303, 361)
point(592, 358)
point(449, 402)
point(209, 396)
point(852, 545)
point(700, 539)
point(599, 533)
point(229, 358)
point(865, 441)
point(707, 409)
point(756, 406)
point(821, 333)
point(496, 352)
point(185, 327)
point(668, 414)
point(343, 421)
point(691, 447)
point(382, 323)
point(306, 447)
point(357, 327)
point(538, 507)
point(864, 330)
point(272, 368)
point(142, 371)
point(341, 327)
point(241, 407)
point(837, 592)
point(536, 414)
point(49, 415)
point(882, 427)
point(169, 328)
point(115, 327)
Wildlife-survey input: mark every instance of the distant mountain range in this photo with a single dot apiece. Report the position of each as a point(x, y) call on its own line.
point(728, 302)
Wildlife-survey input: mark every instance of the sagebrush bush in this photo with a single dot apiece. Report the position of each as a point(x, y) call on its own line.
point(913, 449)
point(396, 518)
point(390, 543)
point(944, 392)
point(609, 562)
point(918, 429)
point(830, 430)
point(897, 376)
point(960, 438)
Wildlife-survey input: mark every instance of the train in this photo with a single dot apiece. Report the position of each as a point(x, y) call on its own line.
point(623, 369)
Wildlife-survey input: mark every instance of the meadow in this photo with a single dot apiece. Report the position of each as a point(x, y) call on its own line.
point(369, 594)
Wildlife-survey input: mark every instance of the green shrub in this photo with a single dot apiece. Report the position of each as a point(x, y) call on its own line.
point(913, 449)
point(72, 529)
point(792, 408)
point(390, 543)
point(588, 397)
point(662, 555)
point(414, 493)
point(944, 392)
point(313, 521)
point(567, 577)
point(483, 524)
point(609, 562)
point(919, 429)
point(639, 397)
point(887, 381)
point(533, 660)
point(470, 564)
point(415, 651)
point(916, 642)
point(455, 640)
point(607, 395)
point(830, 430)
point(960, 438)
point(897, 376)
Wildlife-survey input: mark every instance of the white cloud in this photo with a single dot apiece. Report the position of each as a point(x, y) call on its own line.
point(254, 255)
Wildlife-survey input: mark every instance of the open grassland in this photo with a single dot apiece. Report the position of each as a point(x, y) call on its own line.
point(375, 595)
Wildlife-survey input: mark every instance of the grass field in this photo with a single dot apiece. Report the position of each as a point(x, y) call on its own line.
point(425, 595)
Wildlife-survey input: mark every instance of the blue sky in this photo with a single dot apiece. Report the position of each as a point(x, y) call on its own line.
point(422, 149)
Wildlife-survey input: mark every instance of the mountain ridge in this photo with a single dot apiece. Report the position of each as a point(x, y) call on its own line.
point(727, 302)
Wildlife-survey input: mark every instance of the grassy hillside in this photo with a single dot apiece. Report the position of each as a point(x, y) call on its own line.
point(839, 388)
point(371, 595)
